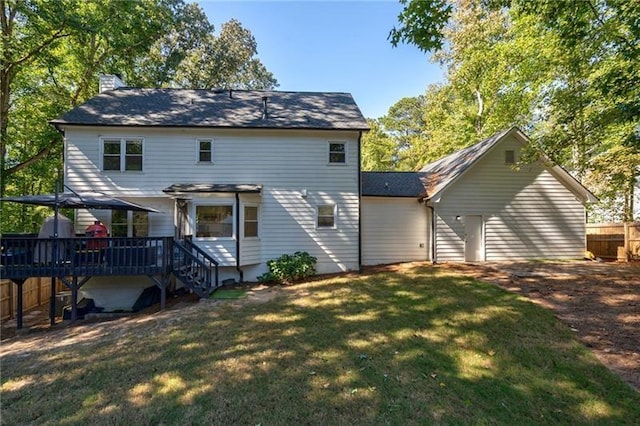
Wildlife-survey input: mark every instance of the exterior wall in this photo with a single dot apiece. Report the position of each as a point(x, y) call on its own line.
point(284, 162)
point(116, 293)
point(160, 224)
point(394, 230)
point(526, 213)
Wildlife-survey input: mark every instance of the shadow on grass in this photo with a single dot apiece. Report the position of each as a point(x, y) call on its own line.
point(401, 348)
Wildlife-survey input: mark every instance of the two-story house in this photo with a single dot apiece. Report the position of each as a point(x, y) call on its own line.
point(250, 175)
point(247, 175)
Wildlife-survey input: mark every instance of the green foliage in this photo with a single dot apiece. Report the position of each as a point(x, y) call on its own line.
point(421, 23)
point(566, 72)
point(378, 148)
point(289, 268)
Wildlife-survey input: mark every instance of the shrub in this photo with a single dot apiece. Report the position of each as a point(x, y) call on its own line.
point(289, 268)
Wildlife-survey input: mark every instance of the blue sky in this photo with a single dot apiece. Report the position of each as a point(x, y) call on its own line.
point(333, 46)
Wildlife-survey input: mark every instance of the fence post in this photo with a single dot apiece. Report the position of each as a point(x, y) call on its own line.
point(12, 305)
point(627, 248)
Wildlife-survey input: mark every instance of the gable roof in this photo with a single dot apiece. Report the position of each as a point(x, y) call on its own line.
point(393, 184)
point(435, 177)
point(444, 171)
point(218, 108)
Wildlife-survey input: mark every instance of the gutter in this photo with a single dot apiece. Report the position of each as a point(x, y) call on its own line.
point(359, 205)
point(433, 233)
point(240, 272)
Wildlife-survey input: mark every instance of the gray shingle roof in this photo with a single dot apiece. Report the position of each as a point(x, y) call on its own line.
point(432, 178)
point(218, 108)
point(393, 184)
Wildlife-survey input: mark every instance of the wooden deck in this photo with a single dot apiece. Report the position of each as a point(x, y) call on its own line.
point(75, 260)
point(83, 256)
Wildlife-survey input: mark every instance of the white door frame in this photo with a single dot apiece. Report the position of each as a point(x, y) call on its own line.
point(474, 238)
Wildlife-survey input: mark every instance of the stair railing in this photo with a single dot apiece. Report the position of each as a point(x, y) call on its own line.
point(195, 268)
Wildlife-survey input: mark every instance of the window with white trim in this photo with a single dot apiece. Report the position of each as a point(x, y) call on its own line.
point(205, 150)
point(337, 152)
point(129, 224)
point(214, 221)
point(326, 216)
point(122, 154)
point(250, 221)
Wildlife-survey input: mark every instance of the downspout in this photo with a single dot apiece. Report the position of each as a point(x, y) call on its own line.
point(433, 234)
point(240, 273)
point(359, 205)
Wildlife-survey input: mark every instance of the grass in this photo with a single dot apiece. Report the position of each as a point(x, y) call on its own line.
point(422, 346)
point(228, 293)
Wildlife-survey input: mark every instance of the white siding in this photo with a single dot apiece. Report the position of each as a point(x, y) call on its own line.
point(160, 224)
point(394, 230)
point(284, 162)
point(527, 213)
point(250, 248)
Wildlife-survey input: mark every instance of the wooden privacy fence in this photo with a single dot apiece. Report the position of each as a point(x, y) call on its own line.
point(619, 241)
point(36, 292)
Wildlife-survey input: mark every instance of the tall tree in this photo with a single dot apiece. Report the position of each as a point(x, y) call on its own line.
point(405, 124)
point(51, 54)
point(494, 67)
point(378, 149)
point(191, 55)
point(579, 83)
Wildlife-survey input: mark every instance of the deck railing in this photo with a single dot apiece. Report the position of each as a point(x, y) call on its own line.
point(23, 257)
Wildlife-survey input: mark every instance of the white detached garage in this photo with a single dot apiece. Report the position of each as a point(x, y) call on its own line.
point(476, 204)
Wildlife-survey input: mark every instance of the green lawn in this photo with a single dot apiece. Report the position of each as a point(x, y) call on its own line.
point(423, 346)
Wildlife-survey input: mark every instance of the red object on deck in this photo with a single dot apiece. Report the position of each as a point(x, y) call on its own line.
point(97, 230)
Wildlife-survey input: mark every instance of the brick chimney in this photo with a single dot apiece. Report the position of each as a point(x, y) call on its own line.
point(109, 82)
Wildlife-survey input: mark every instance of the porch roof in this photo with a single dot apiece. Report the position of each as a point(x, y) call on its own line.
point(178, 188)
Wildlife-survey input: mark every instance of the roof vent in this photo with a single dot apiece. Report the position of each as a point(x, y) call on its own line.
point(109, 82)
point(265, 112)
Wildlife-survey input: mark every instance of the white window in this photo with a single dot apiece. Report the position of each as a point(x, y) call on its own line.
point(122, 154)
point(214, 221)
point(510, 157)
point(205, 150)
point(337, 152)
point(129, 224)
point(251, 221)
point(326, 216)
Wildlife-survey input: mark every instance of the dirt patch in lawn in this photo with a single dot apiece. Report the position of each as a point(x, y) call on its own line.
point(37, 322)
point(600, 302)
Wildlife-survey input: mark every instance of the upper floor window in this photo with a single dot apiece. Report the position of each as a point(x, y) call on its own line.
point(129, 224)
point(326, 216)
point(122, 154)
point(510, 157)
point(214, 221)
point(205, 150)
point(250, 221)
point(337, 153)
